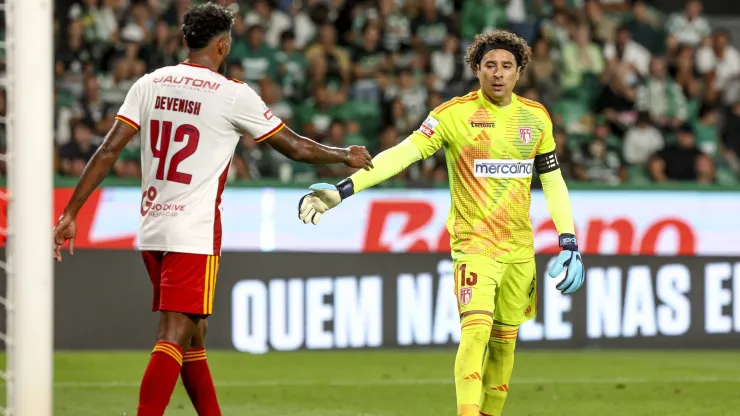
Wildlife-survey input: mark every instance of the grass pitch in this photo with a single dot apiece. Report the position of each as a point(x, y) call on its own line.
point(404, 383)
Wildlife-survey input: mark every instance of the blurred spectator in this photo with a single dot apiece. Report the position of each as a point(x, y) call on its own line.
point(641, 141)
point(602, 25)
point(336, 63)
point(316, 114)
point(688, 27)
point(368, 57)
point(431, 28)
point(626, 52)
point(682, 161)
point(645, 28)
point(412, 95)
point(273, 98)
point(719, 61)
point(599, 160)
point(74, 155)
point(581, 58)
point(292, 67)
point(706, 130)
point(396, 28)
point(685, 74)
point(73, 59)
point(617, 100)
point(94, 111)
point(260, 60)
point(662, 97)
point(564, 154)
point(273, 21)
point(447, 66)
point(540, 73)
point(335, 137)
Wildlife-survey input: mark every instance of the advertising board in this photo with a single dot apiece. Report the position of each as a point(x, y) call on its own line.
point(663, 223)
point(288, 301)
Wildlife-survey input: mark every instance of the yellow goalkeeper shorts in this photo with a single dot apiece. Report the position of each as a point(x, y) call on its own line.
point(509, 290)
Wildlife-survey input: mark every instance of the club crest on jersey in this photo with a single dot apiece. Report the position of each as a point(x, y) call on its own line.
point(525, 134)
point(466, 294)
point(428, 126)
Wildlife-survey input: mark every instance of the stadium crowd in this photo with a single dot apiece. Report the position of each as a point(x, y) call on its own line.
point(635, 96)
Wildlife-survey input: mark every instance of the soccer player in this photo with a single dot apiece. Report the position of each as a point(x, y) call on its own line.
point(493, 140)
point(191, 118)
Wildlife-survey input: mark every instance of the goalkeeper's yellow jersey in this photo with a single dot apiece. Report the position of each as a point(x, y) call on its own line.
point(490, 154)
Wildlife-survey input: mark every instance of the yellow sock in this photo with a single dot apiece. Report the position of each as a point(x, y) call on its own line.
point(476, 331)
point(497, 369)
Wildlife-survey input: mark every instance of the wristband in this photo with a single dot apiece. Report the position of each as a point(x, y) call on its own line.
point(346, 188)
point(568, 242)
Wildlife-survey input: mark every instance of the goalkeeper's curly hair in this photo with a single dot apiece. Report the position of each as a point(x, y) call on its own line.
point(204, 22)
point(503, 37)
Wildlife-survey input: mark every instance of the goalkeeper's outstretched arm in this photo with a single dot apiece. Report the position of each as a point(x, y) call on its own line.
point(421, 144)
point(386, 165)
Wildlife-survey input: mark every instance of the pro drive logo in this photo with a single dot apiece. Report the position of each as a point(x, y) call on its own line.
point(147, 200)
point(428, 126)
point(153, 209)
point(499, 168)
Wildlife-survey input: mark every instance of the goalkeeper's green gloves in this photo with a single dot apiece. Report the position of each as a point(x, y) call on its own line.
point(323, 198)
point(569, 260)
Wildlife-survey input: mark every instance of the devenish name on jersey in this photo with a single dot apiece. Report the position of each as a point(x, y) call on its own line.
point(190, 120)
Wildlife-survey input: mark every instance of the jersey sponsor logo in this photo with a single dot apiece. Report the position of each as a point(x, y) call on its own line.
point(525, 134)
point(428, 126)
point(501, 168)
point(482, 119)
point(152, 209)
point(466, 294)
point(188, 82)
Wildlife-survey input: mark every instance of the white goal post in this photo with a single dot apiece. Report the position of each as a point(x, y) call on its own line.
point(30, 294)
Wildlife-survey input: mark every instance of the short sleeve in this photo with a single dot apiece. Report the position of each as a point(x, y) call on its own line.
point(130, 111)
point(251, 115)
point(431, 135)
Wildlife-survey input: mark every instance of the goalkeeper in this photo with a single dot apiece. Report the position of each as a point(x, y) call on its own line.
point(493, 141)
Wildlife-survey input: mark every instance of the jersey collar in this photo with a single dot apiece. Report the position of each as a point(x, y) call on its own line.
point(495, 108)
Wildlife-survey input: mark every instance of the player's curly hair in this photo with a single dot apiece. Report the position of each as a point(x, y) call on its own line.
point(515, 44)
point(204, 22)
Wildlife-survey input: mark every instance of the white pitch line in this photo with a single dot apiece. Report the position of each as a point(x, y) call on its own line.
point(410, 382)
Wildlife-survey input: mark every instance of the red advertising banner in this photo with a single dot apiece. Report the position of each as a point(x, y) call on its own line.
point(264, 219)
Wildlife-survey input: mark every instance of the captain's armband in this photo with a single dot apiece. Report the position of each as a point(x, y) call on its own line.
point(546, 162)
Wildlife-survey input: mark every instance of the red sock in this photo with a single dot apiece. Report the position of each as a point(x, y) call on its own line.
point(196, 376)
point(159, 379)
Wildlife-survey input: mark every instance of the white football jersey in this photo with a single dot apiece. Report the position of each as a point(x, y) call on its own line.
point(190, 120)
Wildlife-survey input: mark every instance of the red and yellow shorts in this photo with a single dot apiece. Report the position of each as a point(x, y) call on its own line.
point(182, 282)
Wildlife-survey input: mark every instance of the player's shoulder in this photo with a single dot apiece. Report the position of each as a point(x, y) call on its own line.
point(456, 103)
point(534, 107)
